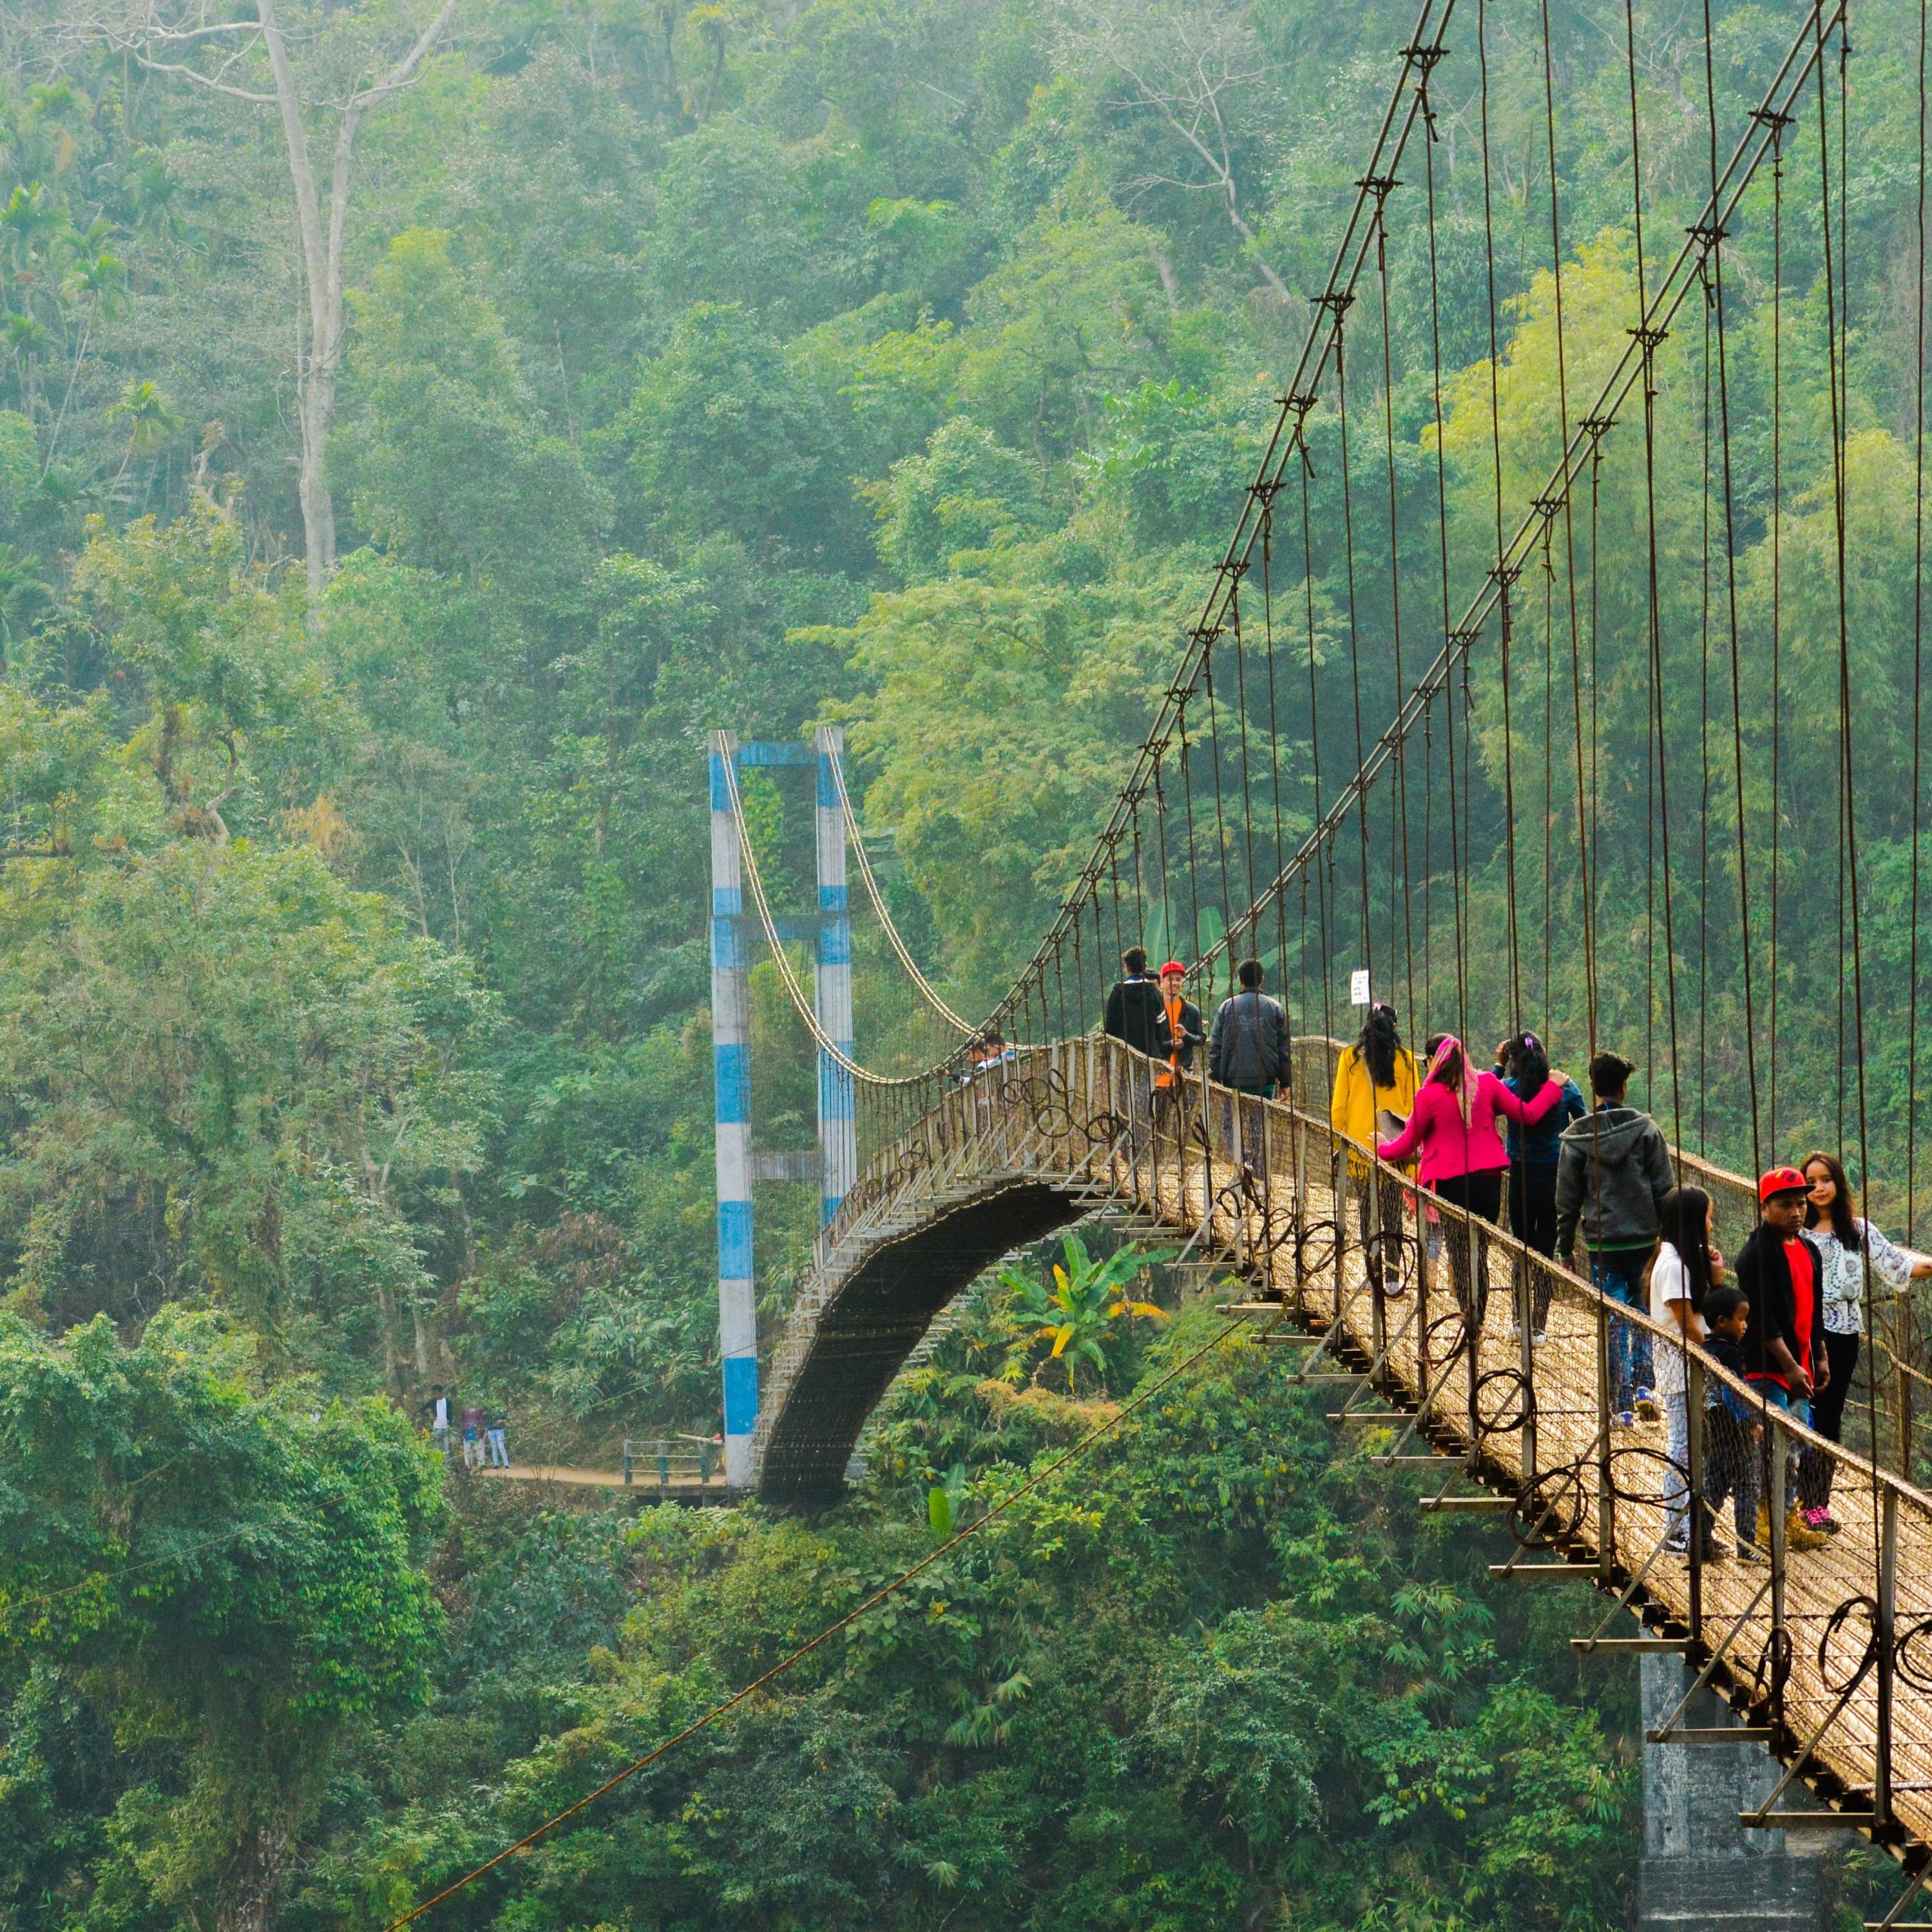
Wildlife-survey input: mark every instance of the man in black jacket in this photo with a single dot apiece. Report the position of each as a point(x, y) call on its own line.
point(1133, 1008)
point(1249, 1051)
point(1781, 1269)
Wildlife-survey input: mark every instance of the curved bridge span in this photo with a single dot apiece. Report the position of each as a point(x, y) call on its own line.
point(1830, 1649)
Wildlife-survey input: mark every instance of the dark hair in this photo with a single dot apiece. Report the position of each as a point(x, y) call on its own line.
point(1609, 1073)
point(1450, 1073)
point(1429, 1045)
point(1686, 1226)
point(1135, 959)
point(1722, 1302)
point(1378, 1043)
point(1249, 974)
point(1843, 1225)
point(1529, 1064)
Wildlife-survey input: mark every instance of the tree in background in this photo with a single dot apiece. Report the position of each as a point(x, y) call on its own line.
point(353, 61)
point(221, 1576)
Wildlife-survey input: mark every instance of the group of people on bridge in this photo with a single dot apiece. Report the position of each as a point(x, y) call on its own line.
point(1786, 1317)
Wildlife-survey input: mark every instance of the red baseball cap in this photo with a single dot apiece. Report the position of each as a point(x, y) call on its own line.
point(1781, 1180)
point(1173, 966)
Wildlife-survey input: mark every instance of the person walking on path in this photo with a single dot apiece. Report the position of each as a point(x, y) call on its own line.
point(1781, 1269)
point(1456, 1128)
point(1249, 1051)
point(1687, 1266)
point(437, 1411)
point(495, 1433)
point(1523, 1065)
point(1375, 1093)
point(472, 1436)
point(1612, 1174)
point(1849, 1246)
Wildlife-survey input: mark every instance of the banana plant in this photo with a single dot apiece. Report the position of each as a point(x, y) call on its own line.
point(1077, 1312)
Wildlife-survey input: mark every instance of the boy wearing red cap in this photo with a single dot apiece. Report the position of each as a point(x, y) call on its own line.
point(1780, 1269)
point(1180, 1029)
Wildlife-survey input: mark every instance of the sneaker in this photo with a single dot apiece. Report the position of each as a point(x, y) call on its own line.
point(1538, 1339)
point(1716, 1552)
point(1626, 1419)
point(1749, 1552)
point(1677, 1546)
point(1647, 1406)
point(1821, 1519)
point(1799, 1535)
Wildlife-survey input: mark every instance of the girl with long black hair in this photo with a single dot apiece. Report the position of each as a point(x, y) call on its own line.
point(1523, 1065)
point(1686, 1267)
point(1852, 1247)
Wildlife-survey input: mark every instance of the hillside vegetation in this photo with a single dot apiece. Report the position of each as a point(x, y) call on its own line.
point(374, 563)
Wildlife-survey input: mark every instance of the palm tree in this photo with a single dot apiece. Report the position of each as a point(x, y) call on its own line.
point(1077, 1313)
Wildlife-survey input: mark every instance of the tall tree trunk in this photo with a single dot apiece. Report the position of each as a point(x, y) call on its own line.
point(253, 1885)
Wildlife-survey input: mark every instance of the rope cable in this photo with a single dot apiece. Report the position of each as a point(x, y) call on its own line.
point(794, 991)
point(926, 989)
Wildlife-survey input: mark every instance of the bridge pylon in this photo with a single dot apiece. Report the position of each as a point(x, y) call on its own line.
point(836, 1163)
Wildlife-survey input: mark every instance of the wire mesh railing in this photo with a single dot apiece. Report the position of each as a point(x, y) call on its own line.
point(1479, 1359)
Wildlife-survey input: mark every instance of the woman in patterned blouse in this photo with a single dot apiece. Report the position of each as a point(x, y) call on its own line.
point(1851, 1246)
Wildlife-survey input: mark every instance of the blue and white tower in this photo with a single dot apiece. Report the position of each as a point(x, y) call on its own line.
point(836, 1165)
point(731, 1069)
point(832, 991)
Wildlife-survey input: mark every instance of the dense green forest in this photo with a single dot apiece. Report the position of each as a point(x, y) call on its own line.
point(419, 428)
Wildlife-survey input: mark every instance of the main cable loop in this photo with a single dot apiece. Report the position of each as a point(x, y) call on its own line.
point(926, 989)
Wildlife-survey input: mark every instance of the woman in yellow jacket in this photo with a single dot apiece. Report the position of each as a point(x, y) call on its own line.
point(1376, 1076)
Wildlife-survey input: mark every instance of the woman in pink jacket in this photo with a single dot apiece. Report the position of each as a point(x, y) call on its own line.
point(1454, 1125)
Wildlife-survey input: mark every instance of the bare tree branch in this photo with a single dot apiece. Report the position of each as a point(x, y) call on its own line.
point(321, 234)
point(1181, 64)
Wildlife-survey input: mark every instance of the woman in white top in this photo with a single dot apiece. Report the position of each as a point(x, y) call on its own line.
point(1850, 1245)
point(1687, 1267)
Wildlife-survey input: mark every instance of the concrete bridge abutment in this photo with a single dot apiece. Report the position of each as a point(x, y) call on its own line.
point(1702, 1871)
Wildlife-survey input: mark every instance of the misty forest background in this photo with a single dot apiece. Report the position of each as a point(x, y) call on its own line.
point(377, 546)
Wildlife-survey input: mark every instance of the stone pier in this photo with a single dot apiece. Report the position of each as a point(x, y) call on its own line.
point(1701, 1868)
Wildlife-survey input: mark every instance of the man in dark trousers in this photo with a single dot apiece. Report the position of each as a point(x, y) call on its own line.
point(1250, 1048)
point(1781, 1271)
point(1133, 1008)
point(1613, 1171)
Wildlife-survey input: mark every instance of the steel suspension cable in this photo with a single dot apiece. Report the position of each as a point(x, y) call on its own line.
point(1671, 293)
point(927, 990)
point(755, 879)
point(1917, 674)
point(1399, 799)
point(1505, 573)
point(1649, 339)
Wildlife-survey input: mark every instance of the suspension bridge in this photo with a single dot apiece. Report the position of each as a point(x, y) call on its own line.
point(1578, 581)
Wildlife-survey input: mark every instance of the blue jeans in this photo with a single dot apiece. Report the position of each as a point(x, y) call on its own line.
point(1620, 1277)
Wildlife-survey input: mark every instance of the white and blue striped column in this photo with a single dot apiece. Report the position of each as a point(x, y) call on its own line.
point(731, 1070)
point(838, 1134)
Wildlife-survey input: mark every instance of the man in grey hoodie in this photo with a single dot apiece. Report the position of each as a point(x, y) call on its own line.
point(1613, 1171)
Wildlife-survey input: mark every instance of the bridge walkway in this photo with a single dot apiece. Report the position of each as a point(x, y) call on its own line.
point(1830, 1650)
